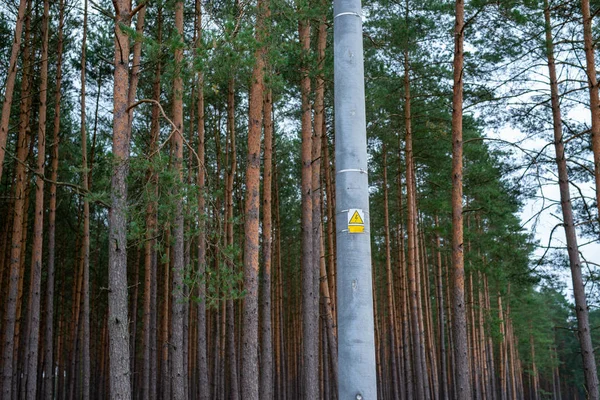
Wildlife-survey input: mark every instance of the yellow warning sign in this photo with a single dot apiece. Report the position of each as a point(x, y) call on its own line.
point(356, 221)
point(356, 228)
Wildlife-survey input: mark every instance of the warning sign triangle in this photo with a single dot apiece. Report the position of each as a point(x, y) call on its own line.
point(356, 219)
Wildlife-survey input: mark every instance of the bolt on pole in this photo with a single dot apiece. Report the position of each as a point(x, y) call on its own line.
point(356, 342)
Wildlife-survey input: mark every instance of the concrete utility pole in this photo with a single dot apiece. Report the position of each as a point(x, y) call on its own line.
point(356, 343)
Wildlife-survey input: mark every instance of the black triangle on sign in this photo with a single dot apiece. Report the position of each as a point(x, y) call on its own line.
point(356, 219)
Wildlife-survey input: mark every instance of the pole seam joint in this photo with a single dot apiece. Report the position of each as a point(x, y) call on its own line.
point(349, 13)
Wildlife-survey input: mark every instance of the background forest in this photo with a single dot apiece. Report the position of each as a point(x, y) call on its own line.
point(167, 198)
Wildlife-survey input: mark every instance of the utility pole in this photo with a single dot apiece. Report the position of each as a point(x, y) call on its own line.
point(356, 343)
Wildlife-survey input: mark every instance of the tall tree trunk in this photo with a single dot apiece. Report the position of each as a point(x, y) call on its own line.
point(490, 344)
point(428, 321)
point(405, 328)
point(411, 224)
point(250, 370)
point(137, 55)
point(320, 139)
point(461, 356)
point(149, 246)
point(38, 229)
point(266, 359)
point(389, 284)
point(443, 372)
point(153, 323)
point(590, 64)
point(133, 322)
point(178, 308)
point(281, 372)
point(502, 351)
point(85, 249)
point(310, 291)
point(10, 80)
point(10, 314)
point(330, 228)
point(19, 358)
point(228, 321)
point(581, 308)
point(534, 372)
point(49, 315)
point(487, 394)
point(164, 328)
point(202, 360)
point(118, 320)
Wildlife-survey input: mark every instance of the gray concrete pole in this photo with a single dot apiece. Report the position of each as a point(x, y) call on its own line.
point(356, 342)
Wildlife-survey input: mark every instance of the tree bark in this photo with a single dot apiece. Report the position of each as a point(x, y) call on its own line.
point(38, 229)
point(266, 359)
point(178, 308)
point(590, 67)
point(310, 287)
point(411, 226)
point(461, 351)
point(49, 315)
point(228, 321)
point(118, 321)
point(581, 307)
point(10, 314)
point(389, 283)
point(10, 80)
point(201, 356)
point(331, 248)
point(137, 55)
point(149, 246)
point(443, 372)
point(250, 370)
point(85, 249)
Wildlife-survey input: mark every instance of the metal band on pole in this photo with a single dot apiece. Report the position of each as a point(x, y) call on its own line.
point(356, 343)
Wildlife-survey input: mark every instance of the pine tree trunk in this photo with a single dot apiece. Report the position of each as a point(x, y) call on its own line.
point(21, 335)
point(149, 246)
point(485, 387)
point(165, 376)
point(135, 65)
point(11, 78)
point(310, 287)
point(201, 357)
point(177, 306)
point(228, 321)
point(10, 314)
point(412, 245)
point(534, 371)
point(473, 340)
point(430, 340)
point(444, 395)
point(85, 249)
point(152, 352)
point(38, 229)
point(279, 337)
point(331, 249)
point(389, 283)
point(490, 344)
point(589, 44)
point(250, 370)
point(49, 315)
point(118, 320)
point(405, 323)
point(316, 192)
point(461, 351)
point(502, 351)
point(266, 359)
point(581, 307)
